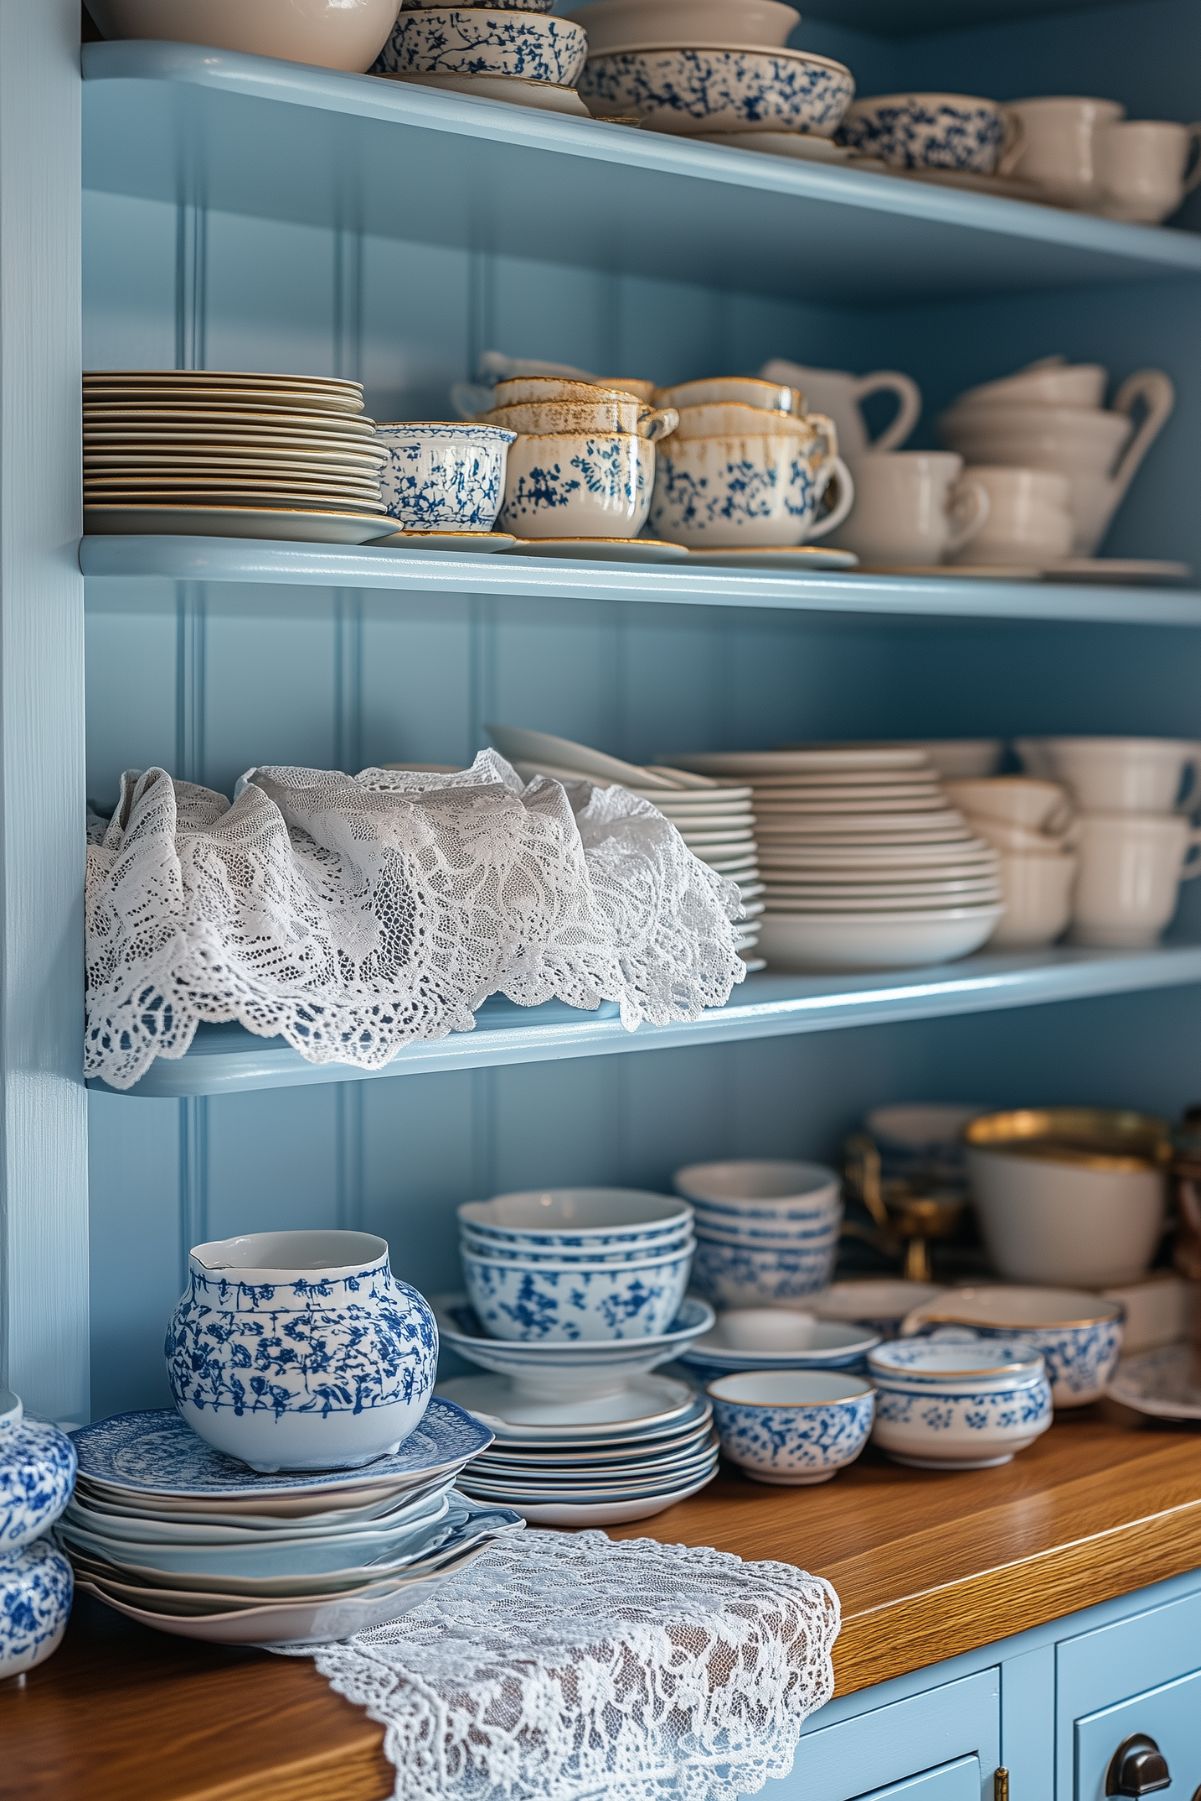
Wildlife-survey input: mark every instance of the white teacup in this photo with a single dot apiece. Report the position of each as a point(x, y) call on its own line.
point(1029, 516)
point(841, 396)
point(1058, 146)
point(1038, 899)
point(1145, 167)
point(1130, 874)
point(912, 507)
point(1037, 805)
point(1120, 775)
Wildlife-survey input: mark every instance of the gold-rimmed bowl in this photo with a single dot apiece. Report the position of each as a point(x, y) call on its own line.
point(792, 1427)
point(1078, 1333)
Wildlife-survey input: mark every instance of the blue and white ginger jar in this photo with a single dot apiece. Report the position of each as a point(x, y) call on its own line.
point(37, 1474)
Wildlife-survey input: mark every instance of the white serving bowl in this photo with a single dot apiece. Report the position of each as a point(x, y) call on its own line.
point(763, 1189)
point(1051, 382)
point(578, 485)
point(1020, 800)
point(743, 1275)
point(578, 1218)
point(1078, 1333)
point(958, 1406)
point(721, 89)
point(1074, 1197)
point(878, 1303)
point(840, 941)
point(328, 33)
point(472, 40)
point(792, 1427)
point(700, 24)
point(572, 1301)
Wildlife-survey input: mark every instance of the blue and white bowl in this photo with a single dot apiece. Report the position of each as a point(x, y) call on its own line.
point(793, 1427)
point(958, 1406)
point(444, 477)
point(761, 491)
point(575, 1220)
point(37, 1473)
point(1078, 1333)
point(756, 1236)
point(474, 40)
point(930, 131)
point(761, 1190)
point(36, 1586)
point(583, 1369)
point(743, 1275)
point(578, 485)
point(772, 1338)
point(573, 1301)
point(300, 1350)
point(691, 91)
point(510, 1253)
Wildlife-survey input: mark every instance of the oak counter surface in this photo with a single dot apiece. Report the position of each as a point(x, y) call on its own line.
point(926, 1566)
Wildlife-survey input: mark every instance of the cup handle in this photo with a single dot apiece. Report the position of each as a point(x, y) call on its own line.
point(909, 405)
point(1062, 819)
point(846, 499)
point(1191, 867)
point(1013, 145)
point(661, 425)
point(1190, 778)
point(1192, 167)
point(968, 512)
point(470, 399)
point(1153, 389)
point(826, 430)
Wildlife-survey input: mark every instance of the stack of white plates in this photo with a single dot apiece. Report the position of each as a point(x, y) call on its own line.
point(589, 1462)
point(715, 818)
point(166, 1530)
point(866, 863)
point(232, 454)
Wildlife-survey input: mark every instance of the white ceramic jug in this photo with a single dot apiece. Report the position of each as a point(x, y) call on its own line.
point(841, 397)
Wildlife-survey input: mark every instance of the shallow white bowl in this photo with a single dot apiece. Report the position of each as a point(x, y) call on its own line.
point(762, 1188)
point(327, 33)
point(837, 941)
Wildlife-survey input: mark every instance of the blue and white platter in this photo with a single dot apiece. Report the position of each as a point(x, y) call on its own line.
point(155, 1452)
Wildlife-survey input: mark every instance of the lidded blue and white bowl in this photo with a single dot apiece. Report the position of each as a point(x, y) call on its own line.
point(793, 1427)
point(300, 1350)
point(446, 477)
point(37, 1474)
point(1078, 1333)
point(960, 1405)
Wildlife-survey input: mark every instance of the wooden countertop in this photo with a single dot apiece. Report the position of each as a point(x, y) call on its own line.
point(926, 1566)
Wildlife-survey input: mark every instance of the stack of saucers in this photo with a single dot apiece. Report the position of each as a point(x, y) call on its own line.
point(624, 1456)
point(766, 1232)
point(867, 864)
point(714, 818)
point(507, 52)
point(168, 1531)
point(230, 453)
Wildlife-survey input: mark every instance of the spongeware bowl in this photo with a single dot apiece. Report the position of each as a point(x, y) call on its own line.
point(734, 1275)
point(578, 485)
point(722, 89)
point(473, 40)
point(300, 1350)
point(327, 33)
point(444, 477)
point(762, 490)
point(482, 1246)
point(701, 24)
point(792, 1427)
point(930, 131)
point(877, 1303)
point(575, 1218)
point(37, 1470)
point(760, 1188)
point(615, 415)
point(577, 1301)
point(1079, 1334)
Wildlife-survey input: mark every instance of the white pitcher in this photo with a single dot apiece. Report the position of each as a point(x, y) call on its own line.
point(840, 396)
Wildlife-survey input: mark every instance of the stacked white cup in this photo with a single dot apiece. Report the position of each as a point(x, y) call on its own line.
point(1031, 824)
point(1134, 836)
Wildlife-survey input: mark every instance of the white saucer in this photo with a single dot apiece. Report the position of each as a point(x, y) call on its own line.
point(1005, 187)
point(604, 550)
point(979, 572)
point(798, 559)
point(799, 144)
point(1166, 1383)
point(608, 1513)
point(480, 541)
point(1117, 569)
point(290, 523)
point(644, 1404)
point(543, 96)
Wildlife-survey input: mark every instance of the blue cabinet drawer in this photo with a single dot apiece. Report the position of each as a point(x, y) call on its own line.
point(1170, 1714)
point(958, 1781)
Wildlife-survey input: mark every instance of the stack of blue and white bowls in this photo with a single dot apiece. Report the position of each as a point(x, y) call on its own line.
point(766, 1232)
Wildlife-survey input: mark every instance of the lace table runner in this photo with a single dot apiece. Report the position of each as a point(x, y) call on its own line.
point(565, 1667)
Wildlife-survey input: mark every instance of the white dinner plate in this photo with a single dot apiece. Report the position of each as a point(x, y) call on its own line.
point(969, 854)
point(538, 748)
point(820, 900)
point(608, 1513)
point(518, 1495)
point(216, 378)
point(624, 1456)
point(800, 559)
point(202, 417)
point(294, 524)
point(856, 825)
point(328, 439)
point(645, 1404)
point(931, 801)
point(752, 765)
point(604, 550)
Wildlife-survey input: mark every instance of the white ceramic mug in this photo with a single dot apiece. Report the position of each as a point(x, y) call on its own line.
point(1131, 869)
point(1038, 899)
point(1029, 516)
point(1028, 801)
point(1145, 167)
point(912, 507)
point(841, 397)
point(1120, 775)
point(1058, 146)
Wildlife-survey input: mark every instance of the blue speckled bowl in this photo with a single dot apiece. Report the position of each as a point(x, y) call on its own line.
point(792, 1427)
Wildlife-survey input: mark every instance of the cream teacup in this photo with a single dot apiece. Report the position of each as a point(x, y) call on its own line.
point(913, 507)
point(578, 485)
point(614, 414)
point(1058, 151)
point(1019, 838)
point(1120, 775)
point(1145, 167)
point(763, 490)
point(1131, 869)
point(1038, 806)
point(735, 419)
point(1029, 516)
point(1037, 890)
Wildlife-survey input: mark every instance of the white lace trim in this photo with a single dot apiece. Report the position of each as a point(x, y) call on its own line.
point(561, 1666)
point(353, 915)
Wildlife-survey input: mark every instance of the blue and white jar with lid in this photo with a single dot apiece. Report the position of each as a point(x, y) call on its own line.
point(37, 1474)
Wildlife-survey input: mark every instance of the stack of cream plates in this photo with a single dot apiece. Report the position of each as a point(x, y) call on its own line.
point(203, 451)
point(714, 818)
point(866, 864)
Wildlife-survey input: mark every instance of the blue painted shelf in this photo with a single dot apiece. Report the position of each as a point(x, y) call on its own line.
point(251, 135)
point(115, 564)
point(228, 1060)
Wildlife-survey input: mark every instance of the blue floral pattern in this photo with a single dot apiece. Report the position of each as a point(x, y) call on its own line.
point(1079, 1359)
point(157, 1453)
point(988, 1410)
point(745, 1276)
point(444, 477)
point(607, 478)
point(688, 90)
point(569, 1305)
point(37, 1474)
point(908, 133)
point(472, 41)
point(714, 491)
point(36, 1587)
point(790, 1441)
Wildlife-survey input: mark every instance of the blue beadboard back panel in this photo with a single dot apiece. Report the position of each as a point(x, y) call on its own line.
point(209, 683)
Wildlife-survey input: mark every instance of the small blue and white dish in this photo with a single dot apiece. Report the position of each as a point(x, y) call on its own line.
point(37, 1473)
point(570, 1302)
point(36, 1588)
point(792, 1427)
point(1078, 1333)
point(775, 1338)
point(691, 91)
point(443, 477)
point(762, 1191)
point(931, 131)
point(966, 1406)
point(578, 1220)
point(300, 1350)
point(744, 1275)
point(474, 40)
point(632, 1252)
point(585, 1367)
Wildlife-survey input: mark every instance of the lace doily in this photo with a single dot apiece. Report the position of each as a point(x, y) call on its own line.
point(563, 1665)
point(350, 915)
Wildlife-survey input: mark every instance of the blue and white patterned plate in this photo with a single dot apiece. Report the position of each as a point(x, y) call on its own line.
point(156, 1453)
